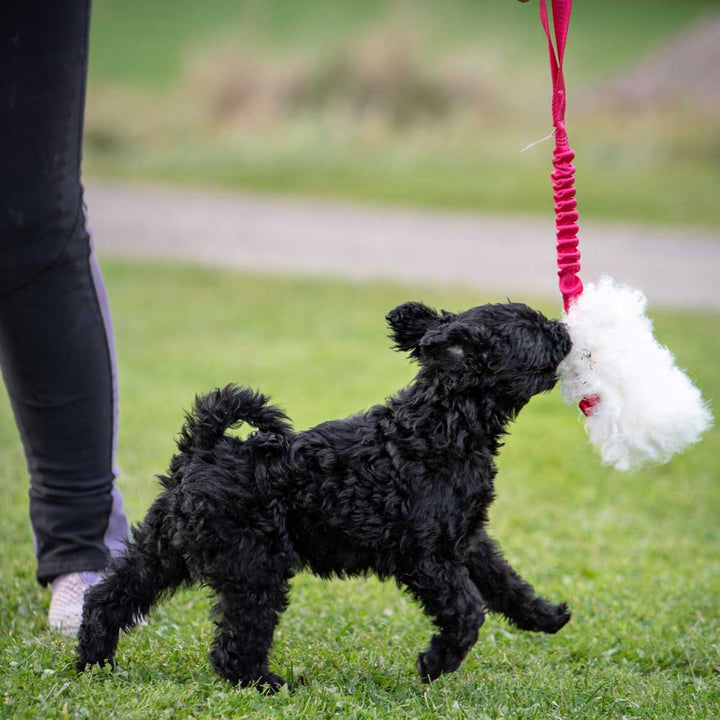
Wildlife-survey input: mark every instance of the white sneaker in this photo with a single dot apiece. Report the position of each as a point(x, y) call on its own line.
point(66, 605)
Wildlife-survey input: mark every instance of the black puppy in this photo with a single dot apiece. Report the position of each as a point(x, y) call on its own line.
point(401, 491)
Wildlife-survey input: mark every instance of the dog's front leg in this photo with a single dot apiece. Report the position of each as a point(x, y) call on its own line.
point(450, 598)
point(507, 593)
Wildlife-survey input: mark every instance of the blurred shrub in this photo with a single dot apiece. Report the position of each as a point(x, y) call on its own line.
point(381, 76)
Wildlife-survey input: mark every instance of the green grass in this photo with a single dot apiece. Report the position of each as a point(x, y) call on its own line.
point(150, 118)
point(149, 44)
point(636, 556)
point(667, 189)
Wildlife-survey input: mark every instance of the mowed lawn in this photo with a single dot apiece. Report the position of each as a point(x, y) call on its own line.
point(636, 556)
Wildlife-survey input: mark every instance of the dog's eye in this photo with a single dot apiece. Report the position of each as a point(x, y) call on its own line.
point(456, 351)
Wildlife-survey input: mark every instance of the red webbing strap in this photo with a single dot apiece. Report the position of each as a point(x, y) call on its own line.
point(563, 177)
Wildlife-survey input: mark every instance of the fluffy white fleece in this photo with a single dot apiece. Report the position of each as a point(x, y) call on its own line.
point(648, 409)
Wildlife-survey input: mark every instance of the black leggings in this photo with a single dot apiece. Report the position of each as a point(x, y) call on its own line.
point(56, 343)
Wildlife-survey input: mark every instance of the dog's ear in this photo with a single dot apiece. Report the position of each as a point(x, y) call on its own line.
point(409, 322)
point(454, 334)
point(457, 338)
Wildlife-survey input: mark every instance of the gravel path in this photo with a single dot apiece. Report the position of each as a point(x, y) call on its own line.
point(506, 256)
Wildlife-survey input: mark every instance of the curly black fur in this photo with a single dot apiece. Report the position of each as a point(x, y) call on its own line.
point(401, 490)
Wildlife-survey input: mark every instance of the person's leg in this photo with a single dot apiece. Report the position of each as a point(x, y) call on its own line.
point(56, 347)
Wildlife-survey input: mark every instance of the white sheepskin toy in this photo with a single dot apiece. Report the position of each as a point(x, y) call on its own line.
point(647, 409)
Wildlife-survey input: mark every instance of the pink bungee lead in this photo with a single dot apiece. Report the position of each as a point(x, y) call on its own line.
point(563, 176)
point(639, 406)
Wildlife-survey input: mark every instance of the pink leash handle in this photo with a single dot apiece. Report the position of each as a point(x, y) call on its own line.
point(563, 176)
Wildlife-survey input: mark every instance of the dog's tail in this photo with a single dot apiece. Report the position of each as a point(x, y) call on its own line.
point(224, 408)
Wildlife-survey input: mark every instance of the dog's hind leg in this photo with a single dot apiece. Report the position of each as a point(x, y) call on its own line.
point(149, 568)
point(252, 589)
point(507, 593)
point(450, 598)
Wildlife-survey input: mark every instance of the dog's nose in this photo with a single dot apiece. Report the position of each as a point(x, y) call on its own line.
point(563, 338)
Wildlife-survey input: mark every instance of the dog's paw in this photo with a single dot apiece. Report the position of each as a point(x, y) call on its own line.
point(85, 661)
point(267, 684)
point(561, 617)
point(544, 617)
point(428, 667)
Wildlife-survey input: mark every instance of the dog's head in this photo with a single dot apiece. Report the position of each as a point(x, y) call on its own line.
point(509, 350)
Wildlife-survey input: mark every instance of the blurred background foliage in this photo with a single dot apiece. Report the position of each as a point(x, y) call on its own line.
point(411, 102)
